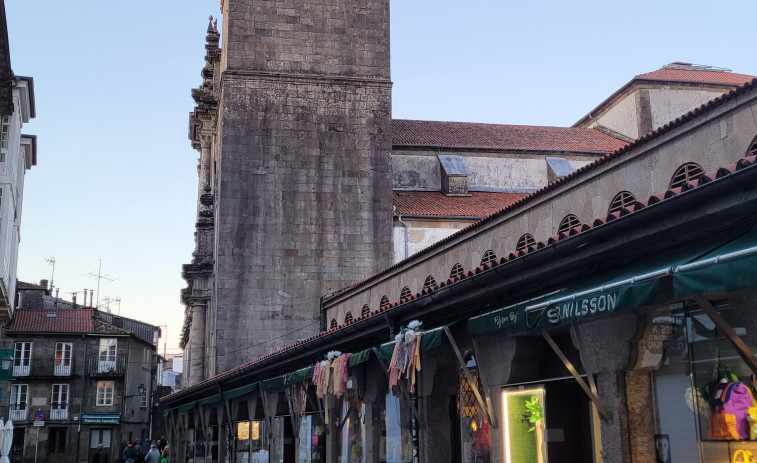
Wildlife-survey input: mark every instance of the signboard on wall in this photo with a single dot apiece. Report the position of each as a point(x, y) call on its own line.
point(101, 418)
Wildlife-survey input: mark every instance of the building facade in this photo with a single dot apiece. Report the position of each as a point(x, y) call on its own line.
point(78, 380)
point(600, 341)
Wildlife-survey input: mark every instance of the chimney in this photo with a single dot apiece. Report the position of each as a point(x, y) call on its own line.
point(43, 283)
point(73, 299)
point(91, 296)
point(57, 291)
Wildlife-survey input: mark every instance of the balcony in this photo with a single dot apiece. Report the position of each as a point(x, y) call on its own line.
point(44, 369)
point(59, 413)
point(17, 412)
point(97, 367)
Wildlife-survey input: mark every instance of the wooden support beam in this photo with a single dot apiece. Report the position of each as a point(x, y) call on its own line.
point(594, 398)
point(742, 349)
point(405, 395)
point(469, 377)
point(487, 398)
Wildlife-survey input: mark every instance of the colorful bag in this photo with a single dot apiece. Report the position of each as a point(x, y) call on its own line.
point(744, 456)
point(729, 408)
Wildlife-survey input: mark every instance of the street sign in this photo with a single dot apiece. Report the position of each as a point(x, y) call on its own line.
point(39, 415)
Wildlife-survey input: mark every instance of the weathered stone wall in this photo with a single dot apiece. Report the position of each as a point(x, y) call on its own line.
point(303, 202)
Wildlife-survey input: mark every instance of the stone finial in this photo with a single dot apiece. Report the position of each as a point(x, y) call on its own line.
point(210, 24)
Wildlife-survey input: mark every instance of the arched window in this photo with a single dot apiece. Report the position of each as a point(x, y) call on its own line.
point(752, 148)
point(384, 303)
point(405, 293)
point(489, 256)
point(333, 324)
point(457, 270)
point(568, 223)
point(429, 283)
point(525, 241)
point(620, 202)
point(687, 173)
point(366, 311)
point(348, 317)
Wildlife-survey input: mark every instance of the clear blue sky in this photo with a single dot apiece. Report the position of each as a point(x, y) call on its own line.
point(117, 177)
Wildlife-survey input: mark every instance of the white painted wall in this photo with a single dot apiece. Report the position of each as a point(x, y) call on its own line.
point(622, 117)
point(669, 104)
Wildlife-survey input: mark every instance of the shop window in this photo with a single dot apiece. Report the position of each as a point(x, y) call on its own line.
point(457, 270)
point(621, 201)
point(384, 304)
point(525, 242)
point(333, 324)
point(251, 441)
point(524, 425)
point(489, 256)
point(687, 173)
point(694, 357)
point(475, 432)
point(352, 437)
point(312, 441)
point(348, 317)
point(365, 311)
point(429, 283)
point(396, 442)
point(405, 293)
point(568, 223)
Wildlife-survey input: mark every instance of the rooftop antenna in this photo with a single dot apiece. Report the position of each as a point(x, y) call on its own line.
point(100, 276)
point(51, 261)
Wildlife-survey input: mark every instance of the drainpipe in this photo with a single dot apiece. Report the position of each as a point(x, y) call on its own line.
point(399, 219)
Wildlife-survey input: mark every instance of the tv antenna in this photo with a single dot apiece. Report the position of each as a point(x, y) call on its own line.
point(101, 276)
point(51, 261)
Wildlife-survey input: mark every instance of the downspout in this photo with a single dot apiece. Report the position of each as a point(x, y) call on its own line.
point(399, 219)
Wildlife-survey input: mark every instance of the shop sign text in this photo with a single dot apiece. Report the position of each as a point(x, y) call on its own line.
point(579, 308)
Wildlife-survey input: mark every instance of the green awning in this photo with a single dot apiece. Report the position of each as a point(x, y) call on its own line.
point(239, 392)
point(728, 267)
point(300, 375)
point(632, 286)
point(187, 407)
point(272, 383)
point(431, 338)
point(359, 357)
point(210, 400)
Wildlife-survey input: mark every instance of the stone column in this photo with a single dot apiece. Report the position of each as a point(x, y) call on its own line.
point(436, 388)
point(197, 344)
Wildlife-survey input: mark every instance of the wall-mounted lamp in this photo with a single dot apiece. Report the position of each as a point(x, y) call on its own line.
point(6, 362)
point(142, 389)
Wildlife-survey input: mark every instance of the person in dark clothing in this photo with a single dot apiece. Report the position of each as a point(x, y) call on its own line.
point(100, 455)
point(145, 447)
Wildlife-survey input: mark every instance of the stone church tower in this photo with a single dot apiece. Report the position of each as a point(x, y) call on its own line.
point(295, 195)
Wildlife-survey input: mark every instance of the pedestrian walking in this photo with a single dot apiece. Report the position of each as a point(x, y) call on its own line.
point(153, 456)
point(129, 453)
point(100, 455)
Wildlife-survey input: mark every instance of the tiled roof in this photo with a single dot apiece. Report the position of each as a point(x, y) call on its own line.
point(103, 327)
point(474, 135)
point(24, 285)
point(77, 321)
point(434, 203)
point(696, 76)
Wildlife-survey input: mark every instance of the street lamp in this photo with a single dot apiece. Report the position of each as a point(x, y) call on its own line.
point(142, 389)
point(6, 362)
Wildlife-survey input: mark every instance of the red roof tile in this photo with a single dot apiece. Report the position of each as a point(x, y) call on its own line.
point(37, 321)
point(474, 135)
point(697, 76)
point(434, 203)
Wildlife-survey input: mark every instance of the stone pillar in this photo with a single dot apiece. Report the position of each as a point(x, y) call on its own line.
point(197, 345)
point(437, 385)
point(605, 348)
point(373, 394)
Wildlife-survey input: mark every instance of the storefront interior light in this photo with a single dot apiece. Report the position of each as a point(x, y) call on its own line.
point(526, 393)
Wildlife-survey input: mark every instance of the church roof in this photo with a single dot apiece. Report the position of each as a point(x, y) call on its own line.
point(433, 203)
point(674, 73)
point(499, 136)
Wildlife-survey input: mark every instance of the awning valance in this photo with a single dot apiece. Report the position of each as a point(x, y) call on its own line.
point(716, 265)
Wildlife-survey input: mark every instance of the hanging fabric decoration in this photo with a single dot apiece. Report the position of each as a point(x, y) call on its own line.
point(406, 358)
point(330, 375)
